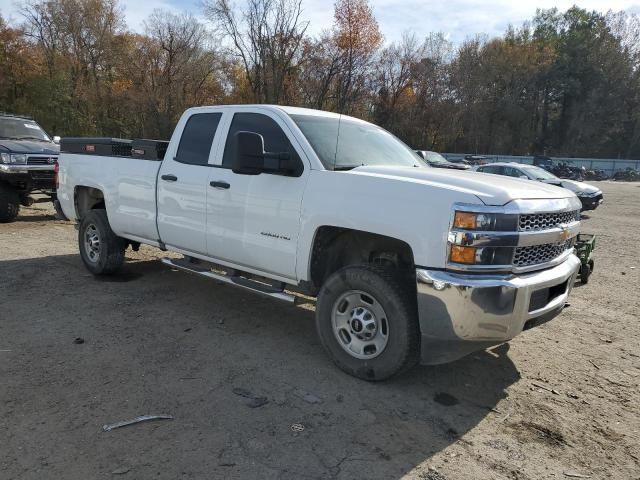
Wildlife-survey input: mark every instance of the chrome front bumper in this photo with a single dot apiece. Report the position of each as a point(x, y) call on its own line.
point(462, 313)
point(13, 168)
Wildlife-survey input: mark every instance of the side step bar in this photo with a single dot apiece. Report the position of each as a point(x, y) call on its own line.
point(235, 280)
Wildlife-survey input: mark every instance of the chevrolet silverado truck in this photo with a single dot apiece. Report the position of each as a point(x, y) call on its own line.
point(408, 263)
point(27, 163)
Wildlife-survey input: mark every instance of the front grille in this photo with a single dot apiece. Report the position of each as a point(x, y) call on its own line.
point(538, 254)
point(40, 160)
point(546, 221)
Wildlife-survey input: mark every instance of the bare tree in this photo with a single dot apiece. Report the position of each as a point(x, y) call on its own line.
point(179, 63)
point(267, 37)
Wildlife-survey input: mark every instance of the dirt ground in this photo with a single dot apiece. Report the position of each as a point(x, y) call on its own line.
point(560, 401)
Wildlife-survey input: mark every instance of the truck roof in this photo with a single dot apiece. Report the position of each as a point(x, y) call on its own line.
point(11, 115)
point(286, 109)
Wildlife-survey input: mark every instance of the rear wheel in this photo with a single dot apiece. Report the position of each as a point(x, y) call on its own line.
point(367, 322)
point(9, 204)
point(102, 251)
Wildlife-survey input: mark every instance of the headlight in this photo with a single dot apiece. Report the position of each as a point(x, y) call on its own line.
point(18, 159)
point(484, 221)
point(5, 158)
point(481, 255)
point(474, 235)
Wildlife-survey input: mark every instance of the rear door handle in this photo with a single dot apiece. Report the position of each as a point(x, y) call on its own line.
point(219, 184)
point(169, 178)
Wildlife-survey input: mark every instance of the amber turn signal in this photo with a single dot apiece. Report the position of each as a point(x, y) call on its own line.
point(463, 254)
point(465, 220)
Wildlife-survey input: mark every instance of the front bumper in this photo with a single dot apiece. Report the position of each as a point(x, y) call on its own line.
point(25, 169)
point(462, 313)
point(28, 178)
point(591, 202)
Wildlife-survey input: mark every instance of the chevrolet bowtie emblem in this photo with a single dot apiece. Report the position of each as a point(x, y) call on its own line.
point(565, 233)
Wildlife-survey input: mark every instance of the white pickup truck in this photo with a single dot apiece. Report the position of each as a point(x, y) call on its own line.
point(409, 263)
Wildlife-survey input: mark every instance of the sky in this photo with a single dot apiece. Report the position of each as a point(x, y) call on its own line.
point(458, 19)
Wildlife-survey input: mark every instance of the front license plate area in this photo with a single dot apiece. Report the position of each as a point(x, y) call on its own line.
point(541, 298)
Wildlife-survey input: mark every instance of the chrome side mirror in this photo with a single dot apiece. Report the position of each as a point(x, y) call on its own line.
point(56, 139)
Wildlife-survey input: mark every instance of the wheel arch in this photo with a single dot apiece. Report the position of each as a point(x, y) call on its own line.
point(336, 247)
point(87, 198)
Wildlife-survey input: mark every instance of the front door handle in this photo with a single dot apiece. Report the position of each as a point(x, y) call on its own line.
point(219, 184)
point(169, 178)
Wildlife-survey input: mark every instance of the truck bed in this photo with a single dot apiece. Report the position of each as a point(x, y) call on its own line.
point(129, 186)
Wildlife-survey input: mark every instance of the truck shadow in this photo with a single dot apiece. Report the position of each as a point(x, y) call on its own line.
point(30, 218)
point(203, 351)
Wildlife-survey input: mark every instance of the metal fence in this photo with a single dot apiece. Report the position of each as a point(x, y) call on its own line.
point(608, 165)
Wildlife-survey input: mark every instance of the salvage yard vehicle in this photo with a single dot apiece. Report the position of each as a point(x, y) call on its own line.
point(408, 263)
point(590, 197)
point(436, 160)
point(27, 163)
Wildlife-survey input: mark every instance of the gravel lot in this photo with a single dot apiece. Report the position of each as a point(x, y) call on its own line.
point(560, 401)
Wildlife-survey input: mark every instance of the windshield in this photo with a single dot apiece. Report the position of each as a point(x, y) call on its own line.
point(358, 143)
point(21, 129)
point(436, 157)
point(538, 173)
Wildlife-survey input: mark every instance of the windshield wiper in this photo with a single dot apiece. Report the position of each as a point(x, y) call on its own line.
point(29, 137)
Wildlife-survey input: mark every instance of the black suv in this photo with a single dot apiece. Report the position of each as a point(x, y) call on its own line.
point(28, 158)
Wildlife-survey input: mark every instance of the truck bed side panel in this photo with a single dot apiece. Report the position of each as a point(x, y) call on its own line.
point(128, 186)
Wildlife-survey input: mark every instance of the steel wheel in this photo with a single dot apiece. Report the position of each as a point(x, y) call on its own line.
point(92, 243)
point(360, 324)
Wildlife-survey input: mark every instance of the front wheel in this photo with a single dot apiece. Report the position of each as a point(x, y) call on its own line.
point(367, 321)
point(102, 251)
point(9, 204)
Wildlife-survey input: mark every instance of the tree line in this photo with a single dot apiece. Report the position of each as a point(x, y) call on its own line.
point(563, 83)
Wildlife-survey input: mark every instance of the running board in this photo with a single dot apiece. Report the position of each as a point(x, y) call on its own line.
point(235, 280)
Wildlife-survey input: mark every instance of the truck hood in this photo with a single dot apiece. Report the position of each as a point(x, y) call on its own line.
point(490, 189)
point(29, 146)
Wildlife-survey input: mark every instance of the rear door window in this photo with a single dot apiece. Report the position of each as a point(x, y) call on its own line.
point(197, 138)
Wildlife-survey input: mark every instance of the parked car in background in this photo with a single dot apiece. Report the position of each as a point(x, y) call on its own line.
point(589, 196)
point(476, 160)
point(273, 199)
point(436, 160)
point(28, 159)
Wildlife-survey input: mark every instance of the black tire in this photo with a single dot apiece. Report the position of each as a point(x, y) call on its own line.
point(585, 273)
point(109, 256)
point(402, 349)
point(9, 204)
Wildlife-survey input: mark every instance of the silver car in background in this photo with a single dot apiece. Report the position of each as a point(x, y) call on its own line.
point(589, 196)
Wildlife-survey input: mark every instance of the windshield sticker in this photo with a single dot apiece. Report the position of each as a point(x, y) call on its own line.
point(31, 125)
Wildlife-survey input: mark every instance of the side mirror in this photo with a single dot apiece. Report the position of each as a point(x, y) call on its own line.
point(251, 159)
point(56, 140)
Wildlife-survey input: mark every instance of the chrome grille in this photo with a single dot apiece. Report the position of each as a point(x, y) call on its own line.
point(546, 221)
point(538, 254)
point(41, 160)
